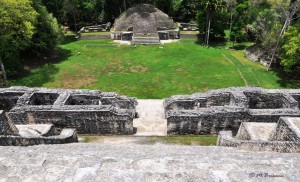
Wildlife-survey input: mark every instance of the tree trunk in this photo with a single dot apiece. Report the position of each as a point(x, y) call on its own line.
point(208, 22)
point(208, 31)
point(284, 28)
point(74, 17)
point(230, 26)
point(3, 70)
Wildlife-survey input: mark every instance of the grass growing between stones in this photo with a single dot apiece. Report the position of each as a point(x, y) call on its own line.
point(89, 139)
point(201, 140)
point(154, 71)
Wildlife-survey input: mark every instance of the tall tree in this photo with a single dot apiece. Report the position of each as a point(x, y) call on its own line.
point(17, 19)
point(48, 33)
point(289, 16)
point(211, 8)
point(290, 52)
point(231, 7)
point(56, 7)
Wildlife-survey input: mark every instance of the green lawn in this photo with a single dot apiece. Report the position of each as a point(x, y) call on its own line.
point(202, 140)
point(156, 71)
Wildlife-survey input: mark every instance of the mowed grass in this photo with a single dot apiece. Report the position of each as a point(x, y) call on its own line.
point(154, 71)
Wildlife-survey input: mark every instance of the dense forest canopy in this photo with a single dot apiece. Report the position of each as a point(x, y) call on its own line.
point(35, 26)
point(81, 13)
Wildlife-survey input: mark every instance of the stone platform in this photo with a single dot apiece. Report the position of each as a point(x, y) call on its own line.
point(130, 162)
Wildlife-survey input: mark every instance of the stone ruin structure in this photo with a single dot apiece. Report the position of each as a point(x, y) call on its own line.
point(98, 28)
point(283, 136)
point(144, 24)
point(226, 109)
point(261, 119)
point(33, 134)
point(188, 27)
point(49, 110)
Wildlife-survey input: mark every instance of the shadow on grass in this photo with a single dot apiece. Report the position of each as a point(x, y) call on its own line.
point(222, 43)
point(37, 73)
point(212, 43)
point(239, 47)
point(286, 81)
point(69, 39)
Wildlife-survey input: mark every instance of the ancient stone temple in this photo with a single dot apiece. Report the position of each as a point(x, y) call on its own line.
point(144, 24)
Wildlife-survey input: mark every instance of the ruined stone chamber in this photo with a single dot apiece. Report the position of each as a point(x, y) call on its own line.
point(144, 24)
point(283, 136)
point(89, 112)
point(226, 109)
point(32, 134)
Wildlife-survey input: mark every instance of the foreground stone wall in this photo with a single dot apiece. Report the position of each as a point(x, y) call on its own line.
point(66, 136)
point(89, 112)
point(132, 162)
point(226, 109)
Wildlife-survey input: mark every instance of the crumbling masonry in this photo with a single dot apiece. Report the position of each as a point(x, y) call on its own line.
point(89, 112)
point(226, 109)
point(283, 136)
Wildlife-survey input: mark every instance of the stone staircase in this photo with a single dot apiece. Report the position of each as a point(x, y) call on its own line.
point(151, 120)
point(139, 38)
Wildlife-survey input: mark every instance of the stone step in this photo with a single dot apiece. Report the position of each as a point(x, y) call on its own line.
point(151, 121)
point(255, 131)
point(145, 40)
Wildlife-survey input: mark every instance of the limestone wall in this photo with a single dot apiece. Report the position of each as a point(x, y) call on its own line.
point(286, 130)
point(88, 111)
point(6, 126)
point(226, 109)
